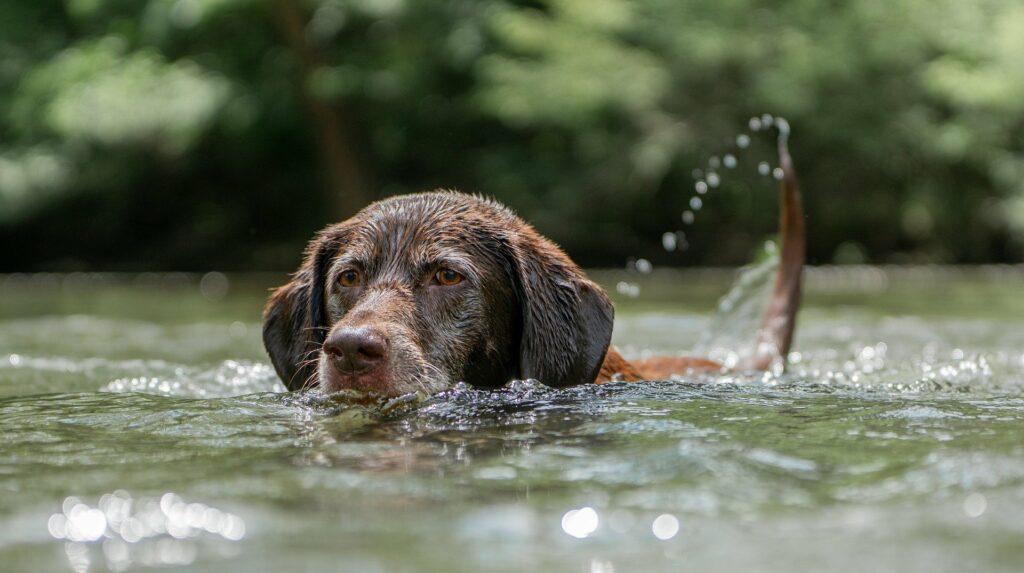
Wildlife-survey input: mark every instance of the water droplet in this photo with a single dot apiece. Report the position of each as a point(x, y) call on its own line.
point(688, 217)
point(628, 289)
point(778, 173)
point(681, 242)
point(696, 203)
point(713, 180)
point(644, 266)
point(763, 168)
point(701, 187)
point(742, 141)
point(715, 162)
point(729, 161)
point(783, 125)
point(766, 120)
point(668, 241)
point(755, 124)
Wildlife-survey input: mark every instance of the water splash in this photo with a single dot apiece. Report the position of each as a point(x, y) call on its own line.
point(632, 290)
point(641, 266)
point(728, 339)
point(669, 241)
point(229, 378)
point(708, 178)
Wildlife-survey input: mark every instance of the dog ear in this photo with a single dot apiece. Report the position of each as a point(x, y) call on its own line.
point(567, 319)
point(295, 318)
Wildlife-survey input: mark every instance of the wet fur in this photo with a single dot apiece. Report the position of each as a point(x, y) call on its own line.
point(524, 310)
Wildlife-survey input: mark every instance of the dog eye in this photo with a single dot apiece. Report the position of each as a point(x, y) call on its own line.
point(448, 277)
point(349, 278)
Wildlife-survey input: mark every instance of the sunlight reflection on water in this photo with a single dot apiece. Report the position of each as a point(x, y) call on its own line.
point(230, 378)
point(146, 531)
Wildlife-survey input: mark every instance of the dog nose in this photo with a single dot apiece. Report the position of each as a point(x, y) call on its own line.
point(356, 350)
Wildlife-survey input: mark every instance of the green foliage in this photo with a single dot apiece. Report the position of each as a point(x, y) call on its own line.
point(194, 117)
point(567, 67)
point(95, 92)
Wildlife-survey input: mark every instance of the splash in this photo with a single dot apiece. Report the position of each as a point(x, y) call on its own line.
point(229, 378)
point(739, 312)
point(711, 176)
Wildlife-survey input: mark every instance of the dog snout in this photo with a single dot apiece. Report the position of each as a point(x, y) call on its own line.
point(356, 350)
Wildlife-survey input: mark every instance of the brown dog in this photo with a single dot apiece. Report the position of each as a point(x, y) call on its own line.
point(419, 292)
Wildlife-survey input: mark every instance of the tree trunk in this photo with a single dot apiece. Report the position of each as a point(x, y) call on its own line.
point(346, 190)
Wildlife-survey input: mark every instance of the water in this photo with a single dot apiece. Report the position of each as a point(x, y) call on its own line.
point(142, 428)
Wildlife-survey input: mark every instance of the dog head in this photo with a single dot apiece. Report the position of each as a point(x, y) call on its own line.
point(419, 292)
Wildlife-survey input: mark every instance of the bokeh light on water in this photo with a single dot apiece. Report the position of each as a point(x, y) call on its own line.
point(665, 526)
point(150, 532)
point(581, 522)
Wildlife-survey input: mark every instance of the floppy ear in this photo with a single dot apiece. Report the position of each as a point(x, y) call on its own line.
point(567, 319)
point(295, 319)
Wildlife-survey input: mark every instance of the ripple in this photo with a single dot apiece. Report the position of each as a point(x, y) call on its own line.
point(886, 429)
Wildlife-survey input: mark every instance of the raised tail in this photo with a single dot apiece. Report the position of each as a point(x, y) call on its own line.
point(779, 321)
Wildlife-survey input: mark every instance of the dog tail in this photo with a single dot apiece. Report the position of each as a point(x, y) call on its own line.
point(779, 320)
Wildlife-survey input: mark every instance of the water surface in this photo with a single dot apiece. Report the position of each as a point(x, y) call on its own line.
point(143, 428)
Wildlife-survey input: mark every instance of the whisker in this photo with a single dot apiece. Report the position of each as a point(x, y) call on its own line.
point(309, 381)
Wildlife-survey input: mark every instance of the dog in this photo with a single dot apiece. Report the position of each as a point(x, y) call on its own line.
point(416, 293)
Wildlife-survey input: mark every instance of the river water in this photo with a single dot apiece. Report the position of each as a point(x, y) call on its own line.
point(143, 428)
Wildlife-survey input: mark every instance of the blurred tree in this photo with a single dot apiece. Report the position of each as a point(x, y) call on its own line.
point(197, 133)
point(348, 192)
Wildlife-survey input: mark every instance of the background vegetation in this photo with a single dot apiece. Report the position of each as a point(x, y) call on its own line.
point(190, 134)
